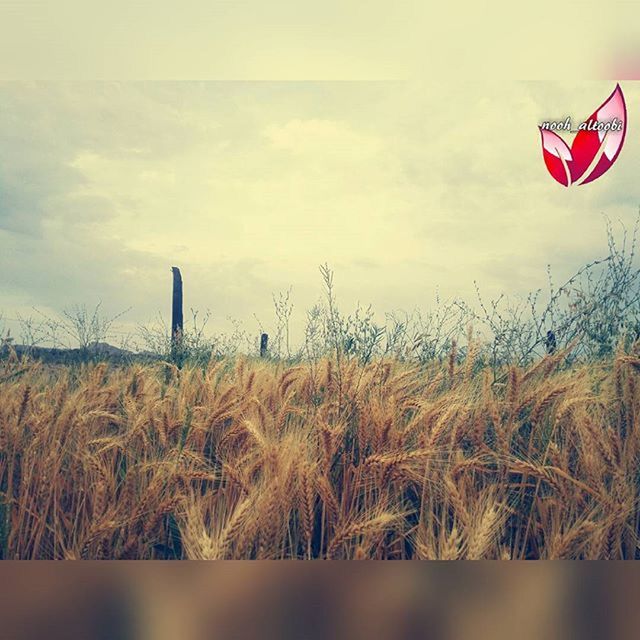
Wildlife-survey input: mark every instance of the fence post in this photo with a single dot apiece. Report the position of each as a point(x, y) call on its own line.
point(177, 321)
point(264, 339)
point(550, 342)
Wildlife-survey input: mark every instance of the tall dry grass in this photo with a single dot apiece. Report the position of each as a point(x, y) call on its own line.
point(253, 459)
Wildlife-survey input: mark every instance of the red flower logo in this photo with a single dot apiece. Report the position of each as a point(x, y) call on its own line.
point(595, 148)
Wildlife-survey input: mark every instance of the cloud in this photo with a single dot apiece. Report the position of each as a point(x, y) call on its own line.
point(327, 137)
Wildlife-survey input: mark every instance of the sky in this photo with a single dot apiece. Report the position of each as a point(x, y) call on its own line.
point(405, 188)
point(310, 40)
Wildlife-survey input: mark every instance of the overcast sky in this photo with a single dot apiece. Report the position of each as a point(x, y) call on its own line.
point(401, 187)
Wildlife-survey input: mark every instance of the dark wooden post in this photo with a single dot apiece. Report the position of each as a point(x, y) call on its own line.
point(264, 339)
point(550, 342)
point(177, 321)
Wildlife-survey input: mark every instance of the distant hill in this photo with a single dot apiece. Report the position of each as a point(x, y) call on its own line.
point(102, 351)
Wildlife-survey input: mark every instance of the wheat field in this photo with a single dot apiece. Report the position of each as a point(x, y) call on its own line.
point(247, 458)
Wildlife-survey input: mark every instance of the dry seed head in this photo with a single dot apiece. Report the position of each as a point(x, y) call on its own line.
point(370, 527)
point(545, 403)
point(307, 498)
point(232, 529)
point(453, 354)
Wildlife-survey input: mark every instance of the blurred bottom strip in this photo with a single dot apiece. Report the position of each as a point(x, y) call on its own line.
point(318, 600)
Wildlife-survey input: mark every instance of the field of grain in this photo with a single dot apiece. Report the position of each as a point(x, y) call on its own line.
point(246, 458)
